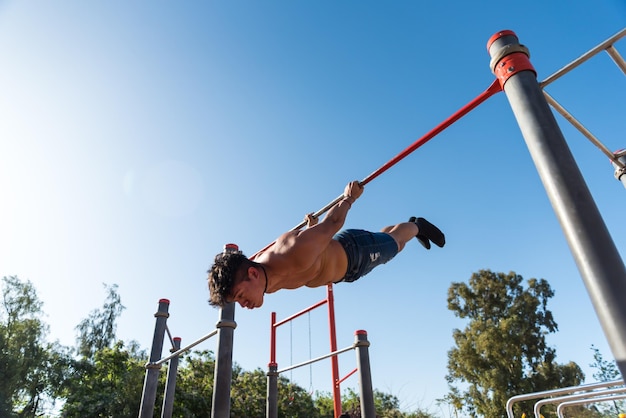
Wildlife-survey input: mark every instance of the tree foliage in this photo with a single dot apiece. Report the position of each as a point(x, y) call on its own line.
point(502, 351)
point(31, 368)
point(109, 385)
point(606, 371)
point(386, 405)
point(97, 331)
point(107, 377)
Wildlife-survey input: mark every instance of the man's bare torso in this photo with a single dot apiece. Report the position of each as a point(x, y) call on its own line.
point(294, 261)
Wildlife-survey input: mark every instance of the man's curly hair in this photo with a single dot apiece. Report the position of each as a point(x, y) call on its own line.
point(225, 272)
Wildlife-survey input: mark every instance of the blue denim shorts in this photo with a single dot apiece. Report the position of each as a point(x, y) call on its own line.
point(365, 250)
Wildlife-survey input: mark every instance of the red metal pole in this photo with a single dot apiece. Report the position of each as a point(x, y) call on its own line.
point(491, 90)
point(273, 340)
point(302, 312)
point(333, 347)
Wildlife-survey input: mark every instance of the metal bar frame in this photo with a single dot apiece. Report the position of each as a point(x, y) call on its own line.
point(273, 372)
point(571, 389)
point(594, 251)
point(170, 382)
point(550, 401)
point(563, 405)
point(148, 397)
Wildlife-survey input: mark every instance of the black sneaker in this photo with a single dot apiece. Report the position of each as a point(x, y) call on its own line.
point(428, 232)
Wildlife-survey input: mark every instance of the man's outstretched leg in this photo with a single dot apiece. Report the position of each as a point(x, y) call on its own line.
point(420, 228)
point(428, 232)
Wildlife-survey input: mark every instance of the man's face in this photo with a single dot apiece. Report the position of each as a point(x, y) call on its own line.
point(249, 292)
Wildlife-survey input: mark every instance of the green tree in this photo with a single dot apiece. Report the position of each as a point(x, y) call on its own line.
point(502, 351)
point(109, 385)
point(107, 377)
point(194, 385)
point(97, 331)
point(386, 405)
point(249, 391)
point(606, 371)
point(31, 368)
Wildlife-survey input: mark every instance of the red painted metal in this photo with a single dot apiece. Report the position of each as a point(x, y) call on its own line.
point(491, 90)
point(512, 64)
point(499, 35)
point(347, 376)
point(302, 312)
point(333, 347)
point(273, 341)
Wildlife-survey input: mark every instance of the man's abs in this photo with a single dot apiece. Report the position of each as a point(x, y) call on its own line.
point(333, 264)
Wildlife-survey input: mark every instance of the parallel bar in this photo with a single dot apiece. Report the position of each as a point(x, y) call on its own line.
point(549, 401)
point(304, 363)
point(183, 350)
point(571, 389)
point(562, 406)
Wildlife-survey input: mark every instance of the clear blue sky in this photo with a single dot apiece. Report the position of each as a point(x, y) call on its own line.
point(136, 138)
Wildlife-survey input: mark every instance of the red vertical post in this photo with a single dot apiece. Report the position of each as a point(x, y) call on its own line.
point(273, 339)
point(333, 347)
point(271, 402)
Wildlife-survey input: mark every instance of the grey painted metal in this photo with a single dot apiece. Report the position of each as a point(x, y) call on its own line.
point(594, 251)
point(620, 172)
point(609, 398)
point(271, 406)
point(148, 396)
point(581, 128)
point(170, 382)
point(606, 45)
point(361, 345)
point(543, 394)
point(560, 399)
point(365, 375)
point(187, 348)
point(224, 362)
point(617, 58)
point(316, 359)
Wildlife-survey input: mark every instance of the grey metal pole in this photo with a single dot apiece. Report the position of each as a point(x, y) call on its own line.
point(148, 396)
point(170, 383)
point(271, 406)
point(361, 345)
point(594, 251)
point(224, 363)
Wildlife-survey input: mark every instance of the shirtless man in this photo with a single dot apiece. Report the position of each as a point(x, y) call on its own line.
point(316, 256)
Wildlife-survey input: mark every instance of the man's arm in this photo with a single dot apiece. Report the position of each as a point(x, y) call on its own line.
point(321, 233)
point(299, 250)
point(336, 216)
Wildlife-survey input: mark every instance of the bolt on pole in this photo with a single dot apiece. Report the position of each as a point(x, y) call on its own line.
point(594, 251)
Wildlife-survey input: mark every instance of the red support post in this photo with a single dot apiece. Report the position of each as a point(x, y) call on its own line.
point(333, 347)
